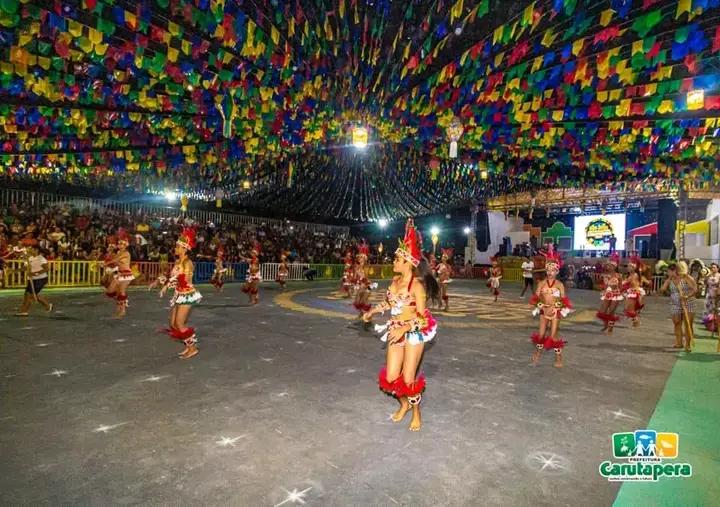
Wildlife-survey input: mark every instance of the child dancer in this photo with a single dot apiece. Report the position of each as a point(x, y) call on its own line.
point(251, 286)
point(219, 273)
point(123, 275)
point(283, 271)
point(552, 305)
point(634, 292)
point(611, 296)
point(185, 297)
point(362, 283)
point(495, 276)
point(444, 272)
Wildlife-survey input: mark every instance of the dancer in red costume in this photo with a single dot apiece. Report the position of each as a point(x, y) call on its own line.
point(611, 295)
point(410, 327)
point(348, 278)
point(218, 275)
point(119, 265)
point(283, 270)
point(362, 283)
point(496, 274)
point(551, 304)
point(185, 297)
point(634, 291)
point(444, 272)
point(252, 285)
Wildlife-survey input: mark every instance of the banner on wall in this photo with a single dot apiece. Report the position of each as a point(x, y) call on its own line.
point(595, 232)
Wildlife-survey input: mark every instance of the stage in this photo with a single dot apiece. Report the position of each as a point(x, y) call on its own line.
point(281, 406)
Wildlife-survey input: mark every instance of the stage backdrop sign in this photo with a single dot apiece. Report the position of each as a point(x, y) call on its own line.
point(593, 232)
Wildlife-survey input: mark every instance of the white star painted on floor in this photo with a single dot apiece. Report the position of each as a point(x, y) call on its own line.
point(60, 312)
point(227, 441)
point(154, 378)
point(104, 428)
point(267, 359)
point(58, 373)
point(263, 322)
point(294, 496)
point(548, 462)
point(454, 359)
point(619, 414)
point(120, 340)
point(299, 342)
point(43, 344)
point(283, 394)
point(350, 370)
point(27, 328)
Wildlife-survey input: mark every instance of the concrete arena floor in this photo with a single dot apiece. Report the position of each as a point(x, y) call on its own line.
point(281, 406)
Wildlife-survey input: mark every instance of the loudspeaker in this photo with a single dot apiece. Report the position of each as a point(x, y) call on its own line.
point(482, 232)
point(667, 218)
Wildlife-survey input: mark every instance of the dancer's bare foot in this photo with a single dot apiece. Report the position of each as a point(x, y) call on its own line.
point(190, 351)
point(416, 421)
point(536, 356)
point(558, 361)
point(400, 414)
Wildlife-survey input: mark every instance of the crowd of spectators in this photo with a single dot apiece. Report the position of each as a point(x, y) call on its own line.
point(70, 233)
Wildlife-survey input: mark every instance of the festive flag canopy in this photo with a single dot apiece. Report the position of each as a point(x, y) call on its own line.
point(256, 101)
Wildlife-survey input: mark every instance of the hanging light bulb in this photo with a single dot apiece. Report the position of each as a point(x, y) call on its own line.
point(454, 132)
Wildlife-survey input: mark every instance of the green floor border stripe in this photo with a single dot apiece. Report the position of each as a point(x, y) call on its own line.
point(689, 406)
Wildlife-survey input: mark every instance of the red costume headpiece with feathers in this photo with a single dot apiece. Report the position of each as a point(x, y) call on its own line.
point(187, 238)
point(363, 249)
point(614, 258)
point(122, 237)
point(447, 253)
point(409, 248)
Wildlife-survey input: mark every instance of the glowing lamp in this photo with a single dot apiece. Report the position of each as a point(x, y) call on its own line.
point(484, 174)
point(454, 132)
point(466, 230)
point(360, 137)
point(246, 184)
point(695, 100)
point(382, 223)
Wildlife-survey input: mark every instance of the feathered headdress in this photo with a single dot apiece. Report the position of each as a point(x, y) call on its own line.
point(122, 237)
point(187, 239)
point(447, 253)
point(363, 249)
point(256, 249)
point(220, 251)
point(553, 261)
point(635, 260)
point(614, 258)
point(348, 258)
point(284, 255)
point(409, 248)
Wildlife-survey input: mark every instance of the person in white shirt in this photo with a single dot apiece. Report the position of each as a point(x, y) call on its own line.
point(528, 266)
point(38, 267)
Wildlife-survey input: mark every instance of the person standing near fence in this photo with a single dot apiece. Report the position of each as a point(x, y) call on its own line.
point(218, 276)
point(682, 289)
point(283, 270)
point(37, 267)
